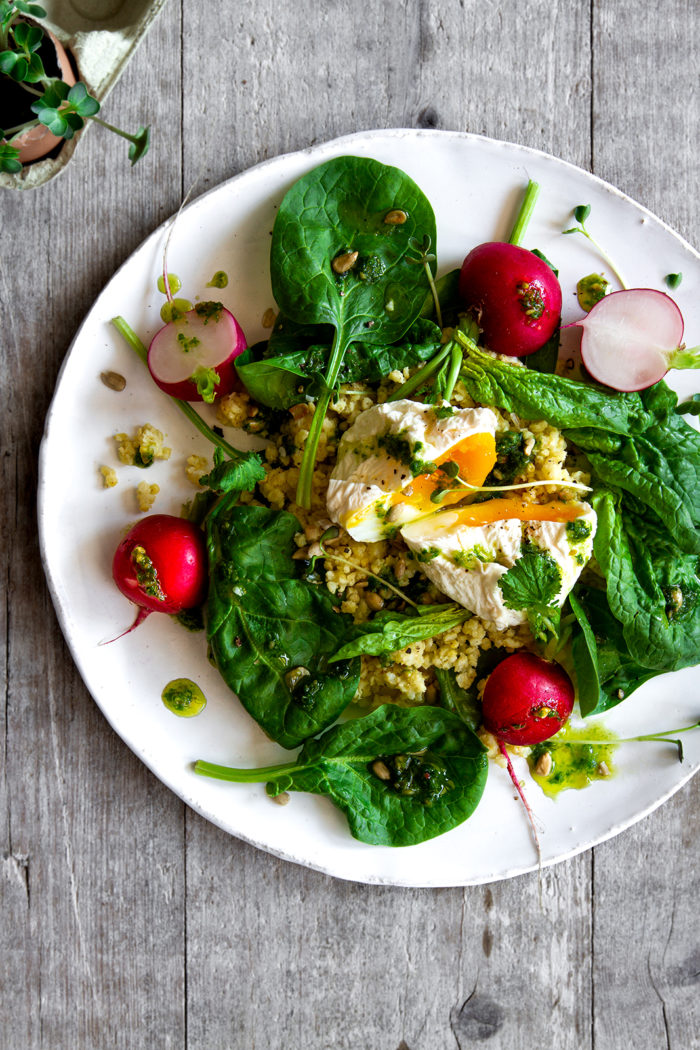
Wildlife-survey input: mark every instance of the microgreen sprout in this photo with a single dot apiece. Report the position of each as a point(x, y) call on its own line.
point(664, 736)
point(422, 256)
point(62, 108)
point(581, 213)
point(332, 533)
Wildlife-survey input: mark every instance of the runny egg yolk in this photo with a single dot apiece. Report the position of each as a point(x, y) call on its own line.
point(511, 507)
point(475, 457)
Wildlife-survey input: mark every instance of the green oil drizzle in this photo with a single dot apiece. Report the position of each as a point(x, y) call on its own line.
point(173, 311)
point(219, 280)
point(590, 290)
point(174, 283)
point(184, 698)
point(575, 765)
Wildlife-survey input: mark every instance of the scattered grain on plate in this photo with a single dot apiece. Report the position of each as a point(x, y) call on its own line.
point(282, 799)
point(196, 467)
point(146, 495)
point(143, 447)
point(109, 477)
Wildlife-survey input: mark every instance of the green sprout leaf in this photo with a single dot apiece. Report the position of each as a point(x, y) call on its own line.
point(139, 145)
point(9, 159)
point(673, 279)
point(81, 102)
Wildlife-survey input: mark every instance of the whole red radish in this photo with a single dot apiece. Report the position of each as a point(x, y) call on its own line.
point(161, 564)
point(632, 338)
point(515, 294)
point(527, 699)
point(192, 358)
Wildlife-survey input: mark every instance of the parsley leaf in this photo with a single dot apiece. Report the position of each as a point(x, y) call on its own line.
point(533, 584)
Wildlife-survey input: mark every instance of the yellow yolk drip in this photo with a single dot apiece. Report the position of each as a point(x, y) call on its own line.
point(512, 507)
point(474, 455)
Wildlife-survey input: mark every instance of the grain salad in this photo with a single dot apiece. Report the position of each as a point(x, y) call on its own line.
point(406, 677)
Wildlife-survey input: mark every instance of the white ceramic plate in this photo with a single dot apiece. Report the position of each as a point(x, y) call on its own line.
point(474, 185)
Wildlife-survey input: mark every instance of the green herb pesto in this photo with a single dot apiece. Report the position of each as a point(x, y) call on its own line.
point(469, 559)
point(184, 698)
point(146, 574)
point(591, 289)
point(409, 453)
point(371, 269)
point(187, 344)
point(578, 530)
point(511, 458)
point(575, 766)
point(427, 554)
point(174, 284)
point(219, 280)
point(444, 412)
point(421, 776)
point(209, 311)
point(173, 311)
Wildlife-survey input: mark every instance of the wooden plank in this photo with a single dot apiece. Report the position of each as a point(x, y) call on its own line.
point(279, 956)
point(646, 929)
point(92, 927)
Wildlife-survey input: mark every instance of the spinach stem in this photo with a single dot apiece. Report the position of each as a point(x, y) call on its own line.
point(245, 776)
point(525, 214)
point(306, 471)
point(423, 374)
point(130, 336)
point(456, 356)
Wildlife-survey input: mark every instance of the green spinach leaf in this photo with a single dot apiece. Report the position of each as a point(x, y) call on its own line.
point(388, 632)
point(401, 776)
point(652, 588)
point(338, 259)
point(601, 655)
point(271, 633)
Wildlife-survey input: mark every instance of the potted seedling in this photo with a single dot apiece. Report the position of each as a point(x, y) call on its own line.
point(41, 102)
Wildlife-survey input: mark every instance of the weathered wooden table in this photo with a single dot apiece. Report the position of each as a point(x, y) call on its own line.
point(128, 921)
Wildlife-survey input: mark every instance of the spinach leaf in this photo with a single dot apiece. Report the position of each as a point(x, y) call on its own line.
point(337, 259)
point(447, 288)
point(585, 656)
point(545, 359)
point(401, 776)
point(271, 633)
point(603, 656)
point(533, 584)
point(463, 702)
point(388, 632)
point(565, 403)
point(286, 379)
point(652, 588)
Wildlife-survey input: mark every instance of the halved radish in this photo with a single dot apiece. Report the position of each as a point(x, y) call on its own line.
point(632, 338)
point(192, 358)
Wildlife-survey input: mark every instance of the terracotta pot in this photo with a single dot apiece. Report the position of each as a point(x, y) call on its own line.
point(37, 142)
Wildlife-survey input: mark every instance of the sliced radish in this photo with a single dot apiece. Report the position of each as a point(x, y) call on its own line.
point(631, 339)
point(193, 357)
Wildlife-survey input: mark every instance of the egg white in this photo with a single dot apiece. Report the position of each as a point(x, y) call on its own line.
point(367, 475)
point(466, 562)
